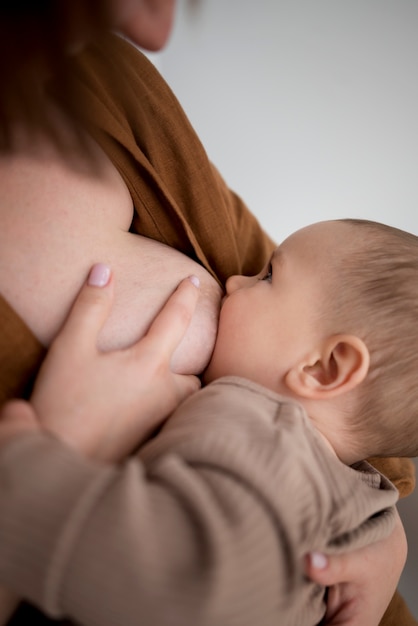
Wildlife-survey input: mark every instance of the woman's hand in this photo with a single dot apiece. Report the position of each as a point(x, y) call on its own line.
point(362, 583)
point(106, 404)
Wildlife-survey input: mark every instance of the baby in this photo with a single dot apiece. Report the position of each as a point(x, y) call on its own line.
point(332, 323)
point(329, 325)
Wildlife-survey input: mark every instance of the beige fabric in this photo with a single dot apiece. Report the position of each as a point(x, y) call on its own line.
point(179, 198)
point(208, 526)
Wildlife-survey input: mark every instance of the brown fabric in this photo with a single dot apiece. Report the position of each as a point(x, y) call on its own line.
point(20, 354)
point(400, 471)
point(211, 520)
point(398, 614)
point(178, 196)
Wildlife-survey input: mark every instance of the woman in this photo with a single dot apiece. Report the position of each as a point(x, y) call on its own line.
point(95, 149)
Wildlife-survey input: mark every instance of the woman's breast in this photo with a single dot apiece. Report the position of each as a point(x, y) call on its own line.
point(146, 273)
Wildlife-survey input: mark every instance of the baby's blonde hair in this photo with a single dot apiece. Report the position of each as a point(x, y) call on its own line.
point(376, 297)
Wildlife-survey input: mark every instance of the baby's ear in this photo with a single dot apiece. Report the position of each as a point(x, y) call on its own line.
point(340, 365)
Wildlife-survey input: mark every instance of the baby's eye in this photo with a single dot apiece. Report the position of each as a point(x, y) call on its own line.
point(268, 276)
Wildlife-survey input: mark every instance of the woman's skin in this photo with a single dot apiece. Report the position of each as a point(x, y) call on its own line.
point(55, 212)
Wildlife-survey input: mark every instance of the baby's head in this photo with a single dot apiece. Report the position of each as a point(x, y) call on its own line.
point(333, 321)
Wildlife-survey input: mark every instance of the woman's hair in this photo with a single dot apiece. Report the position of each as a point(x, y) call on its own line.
point(37, 38)
point(376, 297)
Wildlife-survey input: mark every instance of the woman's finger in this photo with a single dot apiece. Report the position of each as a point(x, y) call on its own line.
point(90, 309)
point(170, 325)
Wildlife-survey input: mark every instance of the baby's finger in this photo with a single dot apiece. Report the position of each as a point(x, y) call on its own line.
point(90, 309)
point(170, 325)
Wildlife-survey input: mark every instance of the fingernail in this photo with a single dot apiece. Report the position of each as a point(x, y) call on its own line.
point(318, 560)
point(194, 279)
point(99, 275)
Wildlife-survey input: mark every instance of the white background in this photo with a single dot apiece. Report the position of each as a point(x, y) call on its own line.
point(309, 108)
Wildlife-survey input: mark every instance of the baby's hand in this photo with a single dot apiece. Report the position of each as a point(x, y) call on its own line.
point(106, 404)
